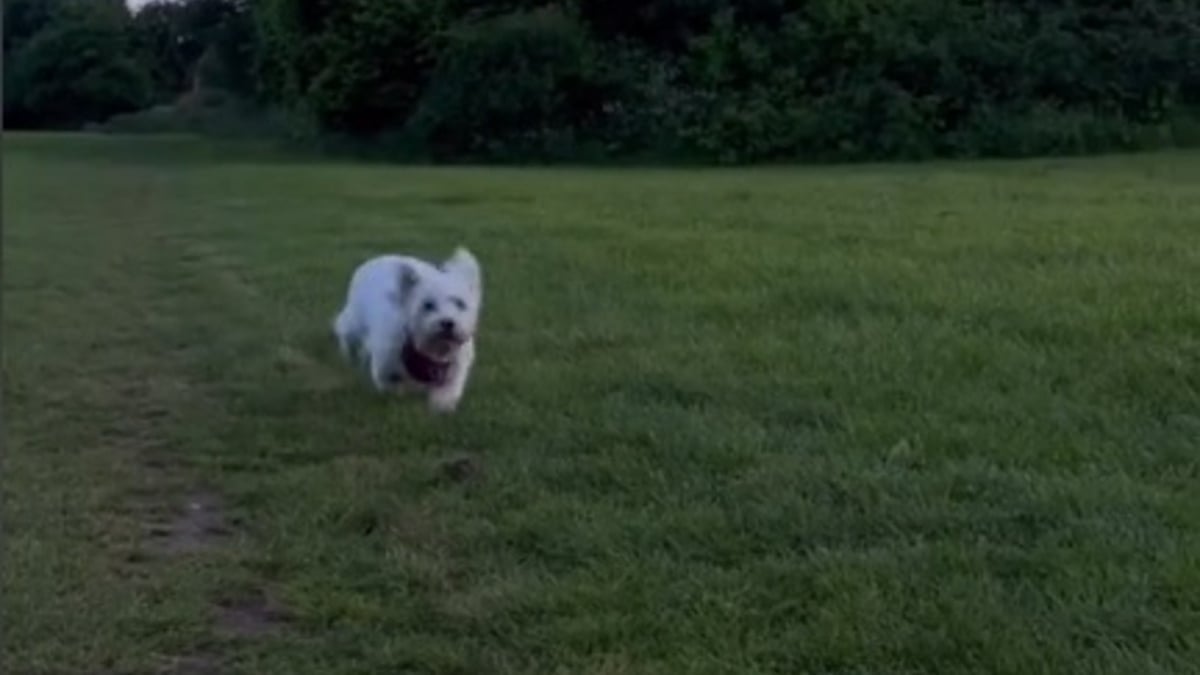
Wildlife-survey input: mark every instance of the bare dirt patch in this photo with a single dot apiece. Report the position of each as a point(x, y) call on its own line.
point(198, 526)
point(250, 617)
point(462, 468)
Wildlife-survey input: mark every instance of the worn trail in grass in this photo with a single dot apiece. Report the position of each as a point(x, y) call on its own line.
point(874, 419)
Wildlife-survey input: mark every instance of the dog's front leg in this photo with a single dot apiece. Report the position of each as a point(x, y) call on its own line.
point(383, 369)
point(444, 399)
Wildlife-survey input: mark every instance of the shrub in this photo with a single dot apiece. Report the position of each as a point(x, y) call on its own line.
point(356, 66)
point(711, 80)
point(79, 67)
point(212, 113)
point(519, 85)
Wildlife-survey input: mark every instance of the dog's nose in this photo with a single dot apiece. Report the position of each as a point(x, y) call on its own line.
point(446, 326)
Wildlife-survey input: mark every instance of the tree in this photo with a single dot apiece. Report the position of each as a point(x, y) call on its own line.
point(25, 18)
point(78, 67)
point(176, 38)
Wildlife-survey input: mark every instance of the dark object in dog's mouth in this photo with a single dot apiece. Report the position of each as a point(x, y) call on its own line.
point(422, 367)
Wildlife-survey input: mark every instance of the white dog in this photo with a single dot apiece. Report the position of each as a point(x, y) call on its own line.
point(413, 323)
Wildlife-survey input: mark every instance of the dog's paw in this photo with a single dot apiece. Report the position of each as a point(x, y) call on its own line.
point(386, 383)
point(443, 405)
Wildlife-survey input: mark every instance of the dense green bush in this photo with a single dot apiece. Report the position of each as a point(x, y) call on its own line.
point(185, 45)
point(206, 112)
point(710, 80)
point(77, 65)
point(517, 85)
point(356, 66)
point(25, 18)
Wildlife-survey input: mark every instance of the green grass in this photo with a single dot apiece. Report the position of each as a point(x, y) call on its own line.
point(940, 418)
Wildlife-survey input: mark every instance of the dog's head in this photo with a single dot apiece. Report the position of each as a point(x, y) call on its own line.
point(441, 303)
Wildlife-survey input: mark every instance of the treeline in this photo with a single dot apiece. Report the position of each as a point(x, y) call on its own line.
point(71, 62)
point(706, 80)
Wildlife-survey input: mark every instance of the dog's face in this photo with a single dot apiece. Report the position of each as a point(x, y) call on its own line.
point(442, 306)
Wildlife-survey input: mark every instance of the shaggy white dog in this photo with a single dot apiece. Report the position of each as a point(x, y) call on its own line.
point(413, 324)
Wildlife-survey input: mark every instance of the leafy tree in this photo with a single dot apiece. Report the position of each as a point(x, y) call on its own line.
point(175, 37)
point(356, 66)
point(720, 80)
point(519, 84)
point(78, 67)
point(25, 18)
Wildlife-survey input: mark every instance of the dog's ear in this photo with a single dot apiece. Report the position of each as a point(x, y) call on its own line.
point(464, 264)
point(406, 281)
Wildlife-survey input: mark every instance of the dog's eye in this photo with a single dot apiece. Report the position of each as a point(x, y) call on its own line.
point(428, 306)
point(460, 304)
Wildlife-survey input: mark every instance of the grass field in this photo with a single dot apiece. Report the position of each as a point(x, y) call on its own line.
point(936, 419)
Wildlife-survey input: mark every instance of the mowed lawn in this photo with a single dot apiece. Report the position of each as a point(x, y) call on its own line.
point(881, 419)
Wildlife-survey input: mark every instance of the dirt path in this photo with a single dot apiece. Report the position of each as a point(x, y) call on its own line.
point(120, 557)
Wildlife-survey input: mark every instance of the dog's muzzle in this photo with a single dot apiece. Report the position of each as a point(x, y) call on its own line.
point(448, 333)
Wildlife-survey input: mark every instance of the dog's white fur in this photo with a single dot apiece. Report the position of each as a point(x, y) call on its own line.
point(393, 299)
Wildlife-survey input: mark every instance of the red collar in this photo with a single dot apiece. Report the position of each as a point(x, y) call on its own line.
point(422, 368)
